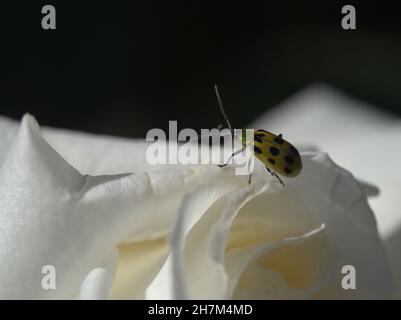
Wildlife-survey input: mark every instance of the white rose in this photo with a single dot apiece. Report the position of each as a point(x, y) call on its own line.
point(181, 231)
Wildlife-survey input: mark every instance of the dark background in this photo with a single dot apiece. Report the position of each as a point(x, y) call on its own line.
point(124, 67)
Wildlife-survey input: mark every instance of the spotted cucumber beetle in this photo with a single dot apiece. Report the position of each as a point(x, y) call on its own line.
point(278, 155)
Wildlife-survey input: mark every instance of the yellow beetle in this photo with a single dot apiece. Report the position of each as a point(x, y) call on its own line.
point(278, 155)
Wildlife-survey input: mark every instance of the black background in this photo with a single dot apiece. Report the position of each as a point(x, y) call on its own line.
point(124, 67)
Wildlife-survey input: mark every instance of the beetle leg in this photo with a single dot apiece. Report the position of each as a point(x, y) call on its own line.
point(250, 179)
point(233, 155)
point(275, 175)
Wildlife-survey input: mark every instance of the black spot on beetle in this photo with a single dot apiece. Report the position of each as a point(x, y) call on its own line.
point(292, 148)
point(279, 140)
point(288, 159)
point(258, 137)
point(287, 170)
point(271, 161)
point(257, 149)
point(274, 151)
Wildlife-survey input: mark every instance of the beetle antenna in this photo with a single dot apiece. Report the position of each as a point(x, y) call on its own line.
point(216, 89)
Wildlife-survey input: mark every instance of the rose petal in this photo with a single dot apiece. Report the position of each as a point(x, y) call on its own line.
point(171, 281)
point(79, 219)
point(98, 283)
point(255, 277)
